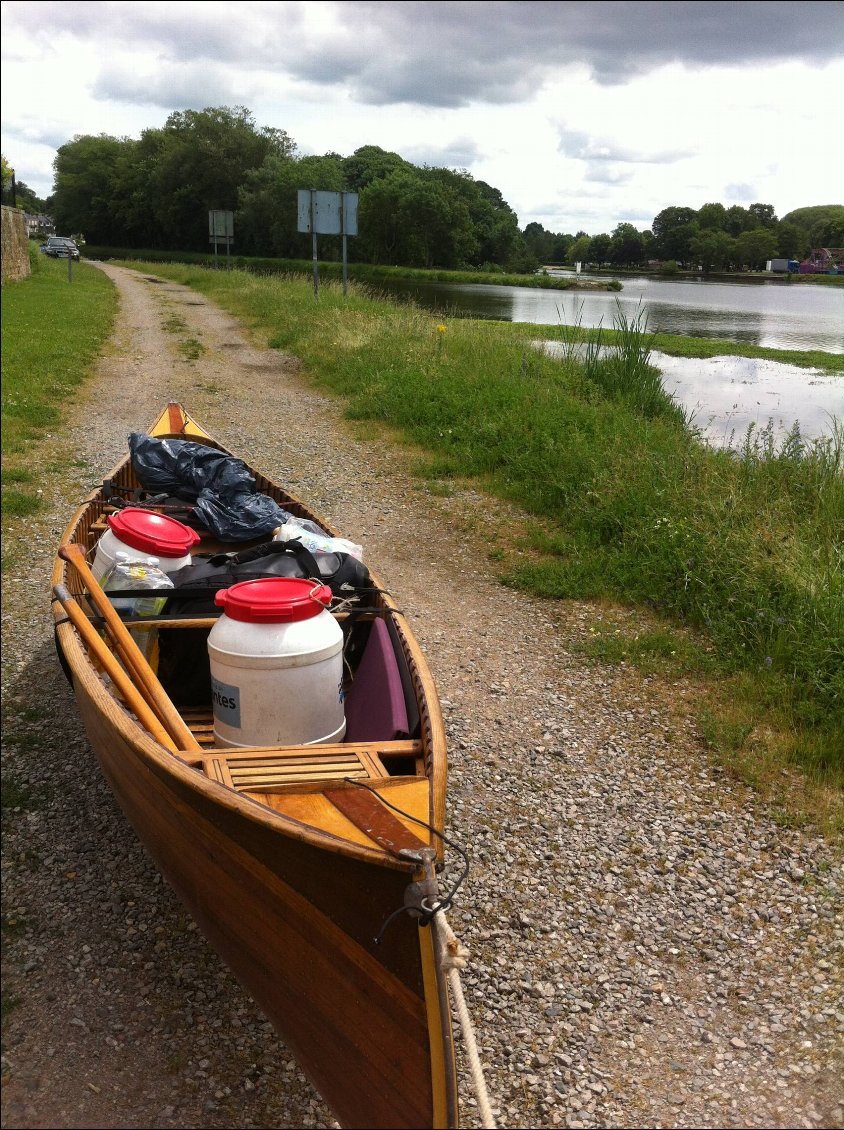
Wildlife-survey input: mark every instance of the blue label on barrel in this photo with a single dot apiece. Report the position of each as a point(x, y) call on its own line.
point(226, 703)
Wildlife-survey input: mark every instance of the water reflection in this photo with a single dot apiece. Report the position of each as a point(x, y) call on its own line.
point(778, 315)
point(724, 396)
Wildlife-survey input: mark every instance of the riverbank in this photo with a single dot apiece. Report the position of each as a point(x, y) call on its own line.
point(626, 505)
point(709, 276)
point(676, 345)
point(365, 273)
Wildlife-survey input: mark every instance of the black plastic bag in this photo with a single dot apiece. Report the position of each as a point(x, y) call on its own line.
point(221, 486)
point(241, 516)
point(183, 468)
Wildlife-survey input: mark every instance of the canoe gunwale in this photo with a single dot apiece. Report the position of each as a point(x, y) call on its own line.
point(82, 668)
point(232, 843)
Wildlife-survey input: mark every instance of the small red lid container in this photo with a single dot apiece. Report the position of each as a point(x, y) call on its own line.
point(156, 534)
point(274, 600)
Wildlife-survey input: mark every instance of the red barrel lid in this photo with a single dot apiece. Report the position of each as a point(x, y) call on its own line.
point(274, 600)
point(156, 534)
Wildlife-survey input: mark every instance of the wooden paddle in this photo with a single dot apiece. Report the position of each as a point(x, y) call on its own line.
point(133, 658)
point(97, 646)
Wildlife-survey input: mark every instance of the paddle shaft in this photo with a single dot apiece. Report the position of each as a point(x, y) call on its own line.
point(97, 646)
point(130, 653)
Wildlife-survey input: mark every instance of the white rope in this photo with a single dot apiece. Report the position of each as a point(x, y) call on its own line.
point(453, 957)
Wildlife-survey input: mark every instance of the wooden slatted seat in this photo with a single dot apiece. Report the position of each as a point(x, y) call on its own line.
point(268, 770)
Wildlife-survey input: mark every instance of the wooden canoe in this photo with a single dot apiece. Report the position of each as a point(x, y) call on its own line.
point(289, 867)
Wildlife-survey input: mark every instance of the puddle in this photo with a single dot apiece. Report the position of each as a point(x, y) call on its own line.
point(726, 395)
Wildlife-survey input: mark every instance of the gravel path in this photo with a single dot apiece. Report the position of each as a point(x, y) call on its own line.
point(648, 948)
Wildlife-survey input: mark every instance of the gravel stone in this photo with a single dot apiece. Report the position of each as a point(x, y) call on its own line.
point(648, 947)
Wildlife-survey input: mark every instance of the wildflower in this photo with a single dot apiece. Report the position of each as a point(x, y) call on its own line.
point(440, 329)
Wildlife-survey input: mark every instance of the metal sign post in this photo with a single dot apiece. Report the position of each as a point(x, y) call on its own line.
point(221, 230)
point(328, 213)
point(314, 241)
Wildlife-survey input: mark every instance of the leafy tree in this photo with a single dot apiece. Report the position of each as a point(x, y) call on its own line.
point(599, 248)
point(756, 247)
point(25, 198)
point(764, 215)
point(828, 233)
point(806, 218)
point(822, 224)
point(496, 227)
point(85, 187)
point(627, 245)
point(737, 220)
point(712, 217)
point(714, 250)
point(673, 229)
point(581, 250)
point(561, 247)
point(538, 241)
point(792, 241)
point(415, 218)
point(204, 159)
point(547, 246)
point(370, 163)
point(268, 215)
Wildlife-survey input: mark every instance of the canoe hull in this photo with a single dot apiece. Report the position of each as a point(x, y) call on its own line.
point(291, 900)
point(296, 925)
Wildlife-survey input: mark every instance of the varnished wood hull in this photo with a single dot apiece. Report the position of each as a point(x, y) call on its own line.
point(294, 907)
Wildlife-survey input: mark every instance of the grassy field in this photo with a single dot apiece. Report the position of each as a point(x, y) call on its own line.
point(740, 558)
point(52, 330)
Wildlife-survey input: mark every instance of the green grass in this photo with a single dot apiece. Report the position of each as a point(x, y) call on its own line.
point(52, 330)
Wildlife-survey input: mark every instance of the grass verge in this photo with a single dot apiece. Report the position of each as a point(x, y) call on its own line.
point(368, 273)
point(52, 330)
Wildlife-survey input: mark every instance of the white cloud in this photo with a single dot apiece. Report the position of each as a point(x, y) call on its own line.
point(582, 114)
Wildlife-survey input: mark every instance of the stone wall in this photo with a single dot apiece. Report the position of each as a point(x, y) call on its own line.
point(15, 258)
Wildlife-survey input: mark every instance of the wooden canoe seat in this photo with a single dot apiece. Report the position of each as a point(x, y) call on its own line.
point(268, 770)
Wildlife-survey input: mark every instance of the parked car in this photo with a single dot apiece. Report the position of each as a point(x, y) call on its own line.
point(59, 247)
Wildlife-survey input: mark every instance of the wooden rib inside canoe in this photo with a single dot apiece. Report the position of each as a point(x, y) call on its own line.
point(290, 858)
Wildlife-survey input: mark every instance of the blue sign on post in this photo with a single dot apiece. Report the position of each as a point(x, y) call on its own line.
point(328, 213)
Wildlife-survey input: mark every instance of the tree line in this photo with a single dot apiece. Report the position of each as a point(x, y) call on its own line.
point(710, 238)
point(156, 191)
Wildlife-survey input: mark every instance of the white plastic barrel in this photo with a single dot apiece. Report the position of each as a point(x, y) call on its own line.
point(136, 530)
point(276, 658)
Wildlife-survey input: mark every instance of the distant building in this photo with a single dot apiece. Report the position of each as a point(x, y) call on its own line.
point(40, 225)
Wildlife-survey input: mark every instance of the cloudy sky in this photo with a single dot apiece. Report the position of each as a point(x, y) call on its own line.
point(582, 114)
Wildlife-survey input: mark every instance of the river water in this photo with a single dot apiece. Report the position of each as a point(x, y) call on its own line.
point(724, 395)
point(774, 314)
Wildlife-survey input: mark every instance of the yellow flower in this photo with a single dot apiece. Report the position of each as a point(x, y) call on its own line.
point(441, 329)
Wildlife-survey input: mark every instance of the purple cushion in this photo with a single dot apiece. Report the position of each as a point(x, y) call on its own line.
point(375, 708)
